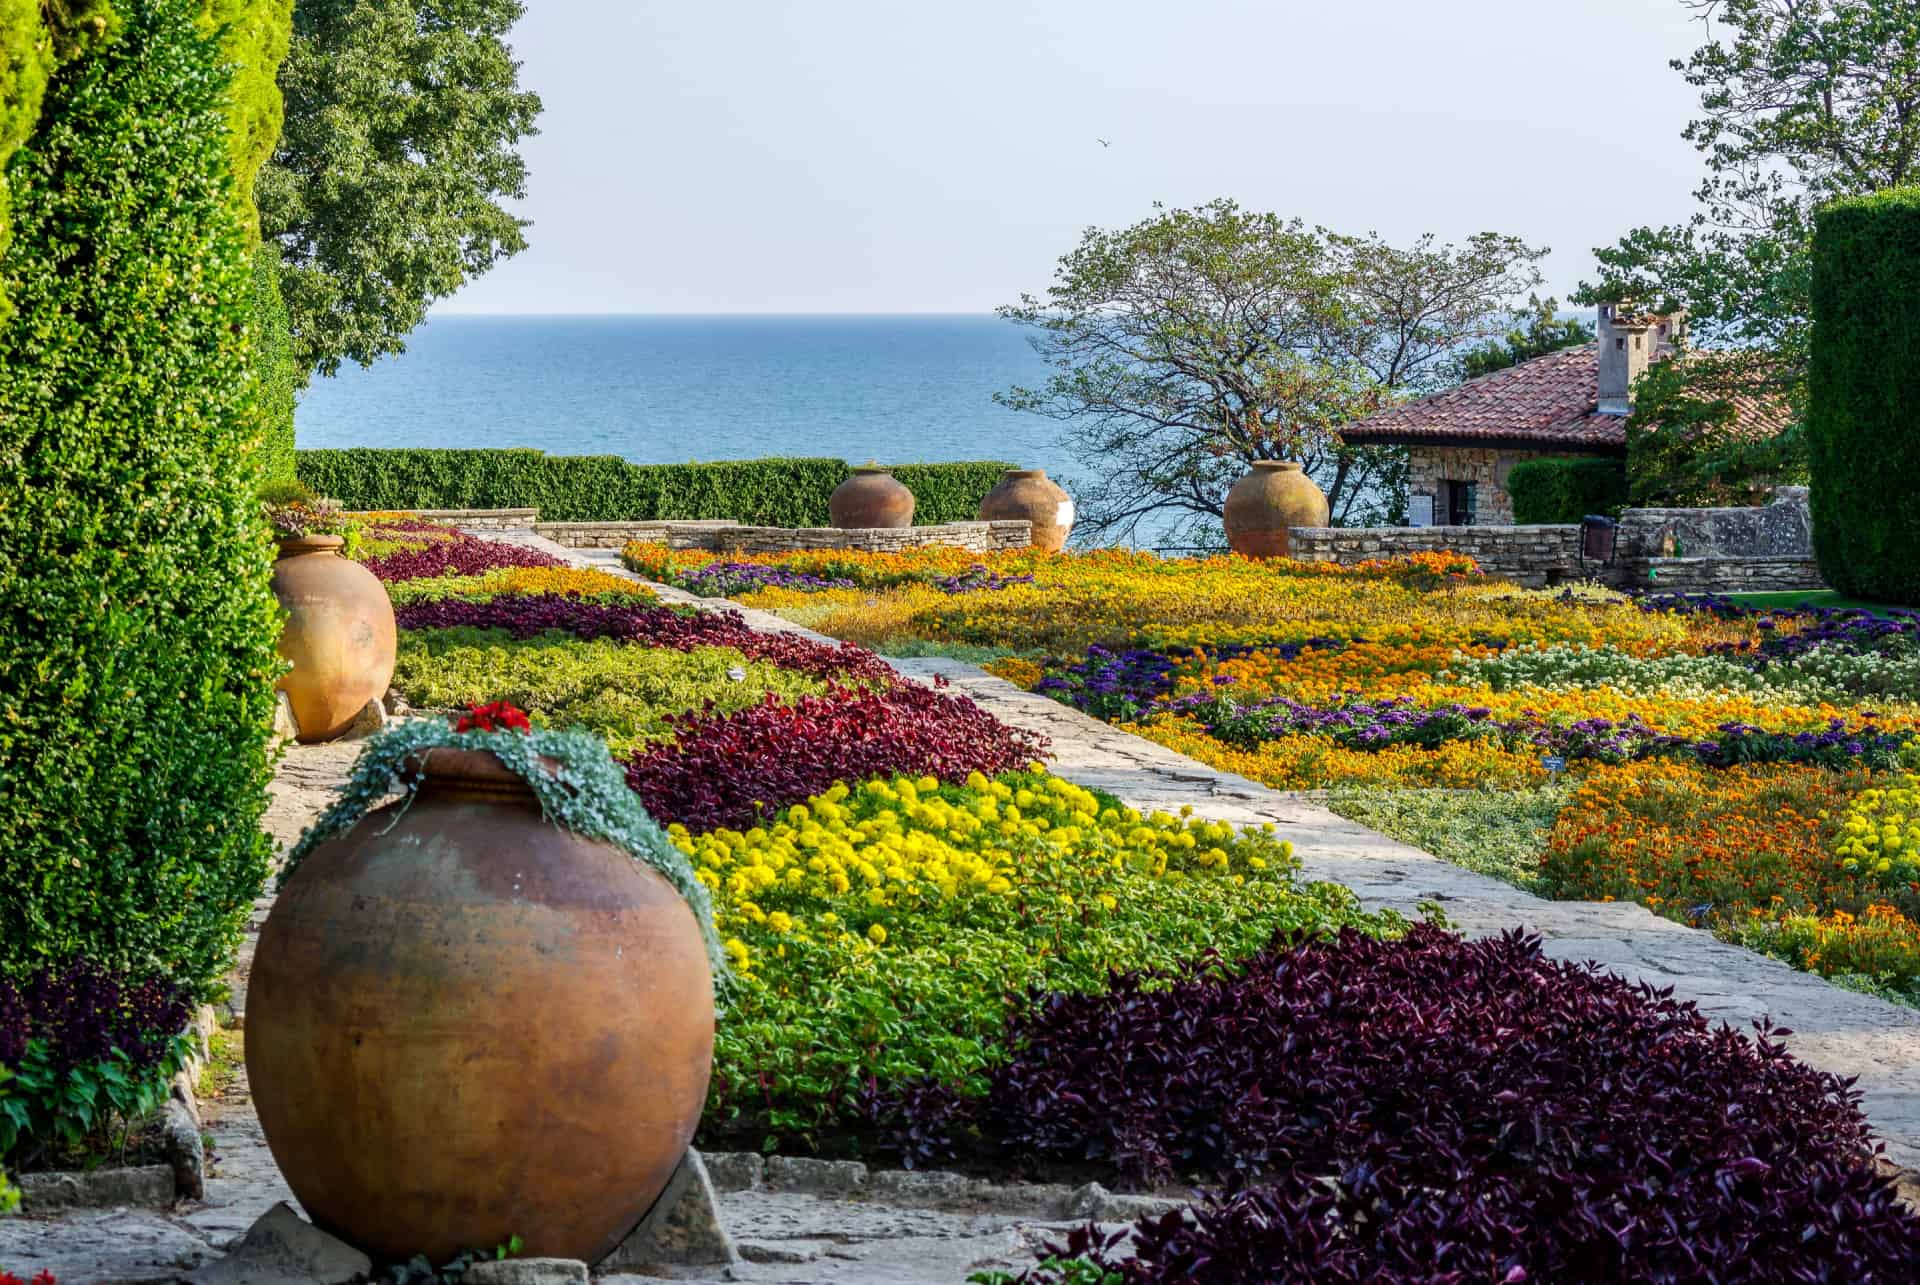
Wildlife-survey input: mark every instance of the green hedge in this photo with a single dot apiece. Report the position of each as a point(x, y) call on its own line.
point(273, 366)
point(1566, 490)
point(606, 488)
point(136, 623)
point(1864, 396)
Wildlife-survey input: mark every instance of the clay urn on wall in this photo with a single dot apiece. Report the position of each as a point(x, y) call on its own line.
point(339, 634)
point(872, 497)
point(1273, 497)
point(1029, 495)
point(465, 1023)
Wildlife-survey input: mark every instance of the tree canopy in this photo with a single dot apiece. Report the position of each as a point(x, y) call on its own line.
point(1196, 341)
point(389, 186)
point(1801, 101)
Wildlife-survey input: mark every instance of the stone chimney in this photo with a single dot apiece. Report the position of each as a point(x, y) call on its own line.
point(1629, 339)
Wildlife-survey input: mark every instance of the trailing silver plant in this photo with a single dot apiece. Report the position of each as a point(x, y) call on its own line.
point(585, 793)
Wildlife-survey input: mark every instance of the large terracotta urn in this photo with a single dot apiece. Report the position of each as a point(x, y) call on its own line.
point(1029, 494)
point(872, 497)
point(338, 633)
point(465, 1023)
point(1274, 496)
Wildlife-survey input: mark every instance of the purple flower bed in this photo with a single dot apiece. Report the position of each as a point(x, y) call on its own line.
point(1434, 1109)
point(1378, 725)
point(724, 579)
point(654, 626)
point(1123, 686)
point(725, 770)
point(83, 1013)
point(464, 555)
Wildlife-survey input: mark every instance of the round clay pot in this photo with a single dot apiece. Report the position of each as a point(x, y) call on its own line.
point(465, 1023)
point(1028, 494)
point(338, 634)
point(872, 497)
point(1274, 496)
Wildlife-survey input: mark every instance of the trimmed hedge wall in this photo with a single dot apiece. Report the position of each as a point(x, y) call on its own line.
point(137, 627)
point(606, 488)
point(1864, 390)
point(273, 366)
point(1565, 490)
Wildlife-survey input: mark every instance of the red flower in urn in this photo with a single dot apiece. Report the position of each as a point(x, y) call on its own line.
point(500, 716)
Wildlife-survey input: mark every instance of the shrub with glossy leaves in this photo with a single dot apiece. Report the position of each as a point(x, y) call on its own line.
point(1438, 1109)
point(136, 624)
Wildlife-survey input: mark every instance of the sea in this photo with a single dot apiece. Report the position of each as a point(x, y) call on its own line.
point(672, 389)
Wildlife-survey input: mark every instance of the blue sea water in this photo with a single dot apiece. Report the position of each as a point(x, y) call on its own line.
point(669, 389)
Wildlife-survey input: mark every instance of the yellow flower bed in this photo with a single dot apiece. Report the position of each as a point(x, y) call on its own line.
point(1314, 763)
point(852, 860)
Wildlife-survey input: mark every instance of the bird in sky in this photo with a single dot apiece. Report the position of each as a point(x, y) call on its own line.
point(1103, 142)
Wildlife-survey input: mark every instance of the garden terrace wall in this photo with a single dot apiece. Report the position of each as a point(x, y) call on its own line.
point(1722, 575)
point(1530, 555)
point(975, 537)
point(482, 519)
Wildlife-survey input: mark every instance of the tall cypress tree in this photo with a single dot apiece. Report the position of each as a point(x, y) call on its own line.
point(136, 625)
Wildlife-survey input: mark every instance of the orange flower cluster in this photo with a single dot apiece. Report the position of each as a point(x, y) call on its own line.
point(1711, 848)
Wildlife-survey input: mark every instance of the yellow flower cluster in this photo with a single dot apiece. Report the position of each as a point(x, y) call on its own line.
point(861, 866)
point(1880, 834)
point(1315, 763)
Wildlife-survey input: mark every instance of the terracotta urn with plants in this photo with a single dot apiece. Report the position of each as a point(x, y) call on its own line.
point(1274, 496)
point(1028, 494)
point(485, 1010)
point(872, 497)
point(339, 631)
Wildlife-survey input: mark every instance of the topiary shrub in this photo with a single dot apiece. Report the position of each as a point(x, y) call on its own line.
point(1864, 391)
point(136, 625)
point(1565, 490)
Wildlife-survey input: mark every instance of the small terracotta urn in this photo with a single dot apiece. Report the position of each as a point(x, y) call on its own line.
point(872, 497)
point(1029, 494)
point(1275, 496)
point(465, 1023)
point(339, 634)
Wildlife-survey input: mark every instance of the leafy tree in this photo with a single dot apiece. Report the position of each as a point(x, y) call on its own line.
point(1802, 101)
point(387, 189)
point(1544, 331)
point(1197, 341)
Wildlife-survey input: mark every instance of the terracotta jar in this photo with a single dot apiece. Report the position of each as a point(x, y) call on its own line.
point(1276, 495)
point(1029, 494)
point(465, 1023)
point(338, 634)
point(872, 497)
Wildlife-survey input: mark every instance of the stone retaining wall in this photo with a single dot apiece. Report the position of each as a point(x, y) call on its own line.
point(1760, 549)
point(1534, 556)
point(480, 519)
point(718, 537)
point(614, 535)
point(1723, 575)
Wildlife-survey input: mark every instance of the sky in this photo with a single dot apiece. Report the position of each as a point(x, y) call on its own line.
point(878, 156)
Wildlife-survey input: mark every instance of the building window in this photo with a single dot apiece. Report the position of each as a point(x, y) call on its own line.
point(1462, 500)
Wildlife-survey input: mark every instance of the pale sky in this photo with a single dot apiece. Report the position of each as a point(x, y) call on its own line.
point(907, 156)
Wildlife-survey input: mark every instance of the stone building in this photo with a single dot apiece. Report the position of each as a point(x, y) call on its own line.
point(1465, 441)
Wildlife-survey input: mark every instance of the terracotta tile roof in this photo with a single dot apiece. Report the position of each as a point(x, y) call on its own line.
point(1550, 402)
